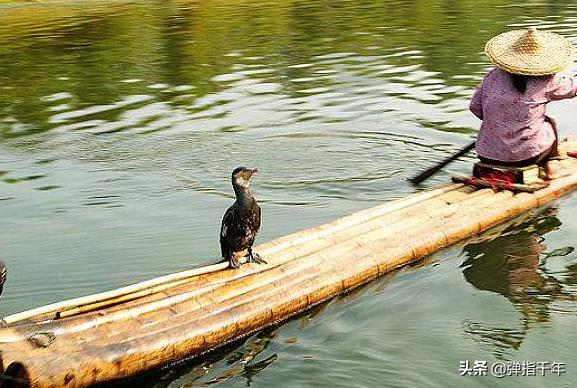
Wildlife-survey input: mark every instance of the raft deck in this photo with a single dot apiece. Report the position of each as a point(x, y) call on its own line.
point(116, 335)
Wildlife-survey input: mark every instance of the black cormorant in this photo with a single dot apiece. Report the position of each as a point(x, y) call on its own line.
point(241, 222)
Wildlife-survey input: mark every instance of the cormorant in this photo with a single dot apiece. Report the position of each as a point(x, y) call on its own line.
point(2, 276)
point(241, 222)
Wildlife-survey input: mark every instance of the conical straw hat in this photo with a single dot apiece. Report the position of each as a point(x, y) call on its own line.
point(530, 52)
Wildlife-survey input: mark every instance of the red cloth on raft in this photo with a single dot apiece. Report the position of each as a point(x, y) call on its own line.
point(497, 176)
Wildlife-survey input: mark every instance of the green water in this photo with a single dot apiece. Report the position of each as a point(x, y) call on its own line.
point(120, 122)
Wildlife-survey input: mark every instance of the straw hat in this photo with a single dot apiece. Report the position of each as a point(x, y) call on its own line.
point(530, 52)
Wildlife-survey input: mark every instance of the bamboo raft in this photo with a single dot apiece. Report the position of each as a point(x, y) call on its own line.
point(121, 333)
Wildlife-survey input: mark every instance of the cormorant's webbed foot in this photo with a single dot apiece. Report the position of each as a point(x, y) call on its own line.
point(234, 263)
point(255, 257)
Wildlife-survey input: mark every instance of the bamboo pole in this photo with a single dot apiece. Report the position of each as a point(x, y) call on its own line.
point(143, 288)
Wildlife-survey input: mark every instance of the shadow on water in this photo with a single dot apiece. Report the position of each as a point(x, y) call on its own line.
point(513, 264)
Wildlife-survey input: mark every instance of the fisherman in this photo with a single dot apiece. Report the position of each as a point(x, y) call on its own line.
point(241, 222)
point(511, 100)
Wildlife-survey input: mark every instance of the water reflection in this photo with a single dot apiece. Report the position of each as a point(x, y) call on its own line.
point(95, 67)
point(514, 264)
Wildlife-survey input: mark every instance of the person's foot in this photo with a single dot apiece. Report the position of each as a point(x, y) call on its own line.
point(554, 170)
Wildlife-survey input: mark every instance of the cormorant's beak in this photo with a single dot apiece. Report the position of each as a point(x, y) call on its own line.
point(253, 170)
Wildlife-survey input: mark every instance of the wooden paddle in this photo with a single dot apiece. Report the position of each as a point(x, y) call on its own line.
point(433, 170)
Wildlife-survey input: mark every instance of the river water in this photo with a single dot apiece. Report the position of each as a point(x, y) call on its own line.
point(120, 122)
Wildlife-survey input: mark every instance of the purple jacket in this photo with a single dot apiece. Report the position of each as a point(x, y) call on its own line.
point(514, 127)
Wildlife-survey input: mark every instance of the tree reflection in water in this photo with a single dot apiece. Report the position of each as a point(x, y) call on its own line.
point(513, 265)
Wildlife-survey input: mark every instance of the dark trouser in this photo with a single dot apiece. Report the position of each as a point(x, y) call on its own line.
point(540, 160)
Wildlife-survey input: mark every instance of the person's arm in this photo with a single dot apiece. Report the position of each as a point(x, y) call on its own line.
point(560, 88)
point(476, 105)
